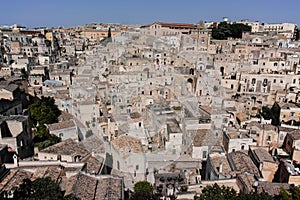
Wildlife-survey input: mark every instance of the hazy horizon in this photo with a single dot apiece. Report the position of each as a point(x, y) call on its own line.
point(33, 13)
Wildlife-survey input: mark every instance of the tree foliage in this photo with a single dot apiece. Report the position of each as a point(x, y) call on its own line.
point(290, 194)
point(226, 30)
point(44, 111)
point(216, 192)
point(213, 192)
point(143, 190)
point(45, 140)
point(271, 113)
point(254, 196)
point(41, 188)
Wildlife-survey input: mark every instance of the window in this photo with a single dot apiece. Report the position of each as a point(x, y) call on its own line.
point(265, 82)
point(274, 81)
point(253, 81)
point(281, 136)
point(204, 154)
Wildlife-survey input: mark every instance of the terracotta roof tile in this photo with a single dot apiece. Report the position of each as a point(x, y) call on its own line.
point(67, 147)
point(61, 125)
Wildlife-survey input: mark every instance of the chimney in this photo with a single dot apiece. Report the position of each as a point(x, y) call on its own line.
point(16, 162)
point(220, 168)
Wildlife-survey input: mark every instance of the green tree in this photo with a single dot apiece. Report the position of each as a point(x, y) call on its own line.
point(271, 113)
point(284, 195)
point(222, 32)
point(41, 188)
point(291, 194)
point(238, 29)
point(254, 196)
point(44, 111)
point(143, 190)
point(226, 30)
point(215, 192)
point(295, 191)
point(45, 141)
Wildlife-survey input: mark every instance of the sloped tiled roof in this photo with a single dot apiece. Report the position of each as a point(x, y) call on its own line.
point(263, 155)
point(241, 163)
point(85, 186)
point(82, 186)
point(61, 125)
point(203, 137)
point(217, 160)
point(67, 147)
point(93, 144)
point(13, 179)
point(128, 143)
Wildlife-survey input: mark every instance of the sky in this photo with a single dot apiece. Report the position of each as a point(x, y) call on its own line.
point(69, 13)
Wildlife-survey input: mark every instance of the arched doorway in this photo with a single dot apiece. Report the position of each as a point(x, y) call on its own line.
point(192, 71)
point(222, 71)
point(190, 84)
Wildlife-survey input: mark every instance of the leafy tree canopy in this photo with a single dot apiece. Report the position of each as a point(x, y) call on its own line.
point(41, 188)
point(143, 190)
point(271, 113)
point(216, 192)
point(290, 194)
point(226, 30)
point(213, 192)
point(44, 111)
